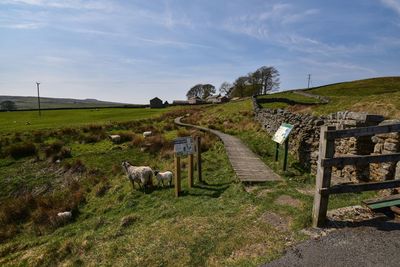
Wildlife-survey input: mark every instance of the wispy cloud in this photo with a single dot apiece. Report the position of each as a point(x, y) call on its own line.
point(72, 4)
point(393, 4)
point(274, 18)
point(23, 26)
point(171, 43)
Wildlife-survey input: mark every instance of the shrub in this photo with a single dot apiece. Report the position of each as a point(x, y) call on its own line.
point(137, 140)
point(155, 143)
point(16, 210)
point(125, 137)
point(21, 150)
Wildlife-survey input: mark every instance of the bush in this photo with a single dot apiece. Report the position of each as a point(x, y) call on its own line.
point(22, 150)
point(57, 151)
point(137, 140)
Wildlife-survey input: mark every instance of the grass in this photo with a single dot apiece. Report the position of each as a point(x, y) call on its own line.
point(236, 119)
point(217, 223)
point(51, 119)
point(376, 96)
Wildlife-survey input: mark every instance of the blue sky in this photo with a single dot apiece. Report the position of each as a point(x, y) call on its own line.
point(131, 51)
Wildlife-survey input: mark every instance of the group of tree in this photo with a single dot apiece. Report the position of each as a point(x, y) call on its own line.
point(8, 105)
point(259, 82)
point(263, 80)
point(201, 91)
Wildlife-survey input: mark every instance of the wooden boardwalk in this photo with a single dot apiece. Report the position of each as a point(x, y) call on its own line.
point(247, 165)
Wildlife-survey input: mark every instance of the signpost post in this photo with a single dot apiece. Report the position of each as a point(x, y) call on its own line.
point(282, 136)
point(183, 146)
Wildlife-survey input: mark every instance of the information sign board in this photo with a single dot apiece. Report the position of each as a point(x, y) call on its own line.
point(184, 146)
point(282, 133)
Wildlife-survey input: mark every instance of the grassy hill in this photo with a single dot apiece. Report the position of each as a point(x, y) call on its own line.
point(376, 95)
point(30, 102)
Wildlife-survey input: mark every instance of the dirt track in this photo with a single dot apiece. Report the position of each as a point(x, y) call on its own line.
point(377, 244)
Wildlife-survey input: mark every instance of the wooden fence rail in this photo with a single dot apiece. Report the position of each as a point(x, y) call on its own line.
point(326, 161)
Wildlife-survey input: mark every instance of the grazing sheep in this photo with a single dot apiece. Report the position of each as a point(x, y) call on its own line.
point(164, 176)
point(65, 216)
point(147, 134)
point(115, 138)
point(141, 174)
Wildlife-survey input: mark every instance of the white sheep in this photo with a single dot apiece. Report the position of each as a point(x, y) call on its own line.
point(147, 134)
point(141, 174)
point(164, 176)
point(65, 216)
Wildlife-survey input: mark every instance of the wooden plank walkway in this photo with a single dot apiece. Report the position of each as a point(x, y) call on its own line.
point(247, 165)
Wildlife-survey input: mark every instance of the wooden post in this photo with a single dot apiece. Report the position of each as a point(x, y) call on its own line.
point(198, 143)
point(276, 151)
point(323, 179)
point(190, 171)
point(177, 161)
point(285, 159)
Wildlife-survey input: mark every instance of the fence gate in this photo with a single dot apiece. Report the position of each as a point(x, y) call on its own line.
point(326, 161)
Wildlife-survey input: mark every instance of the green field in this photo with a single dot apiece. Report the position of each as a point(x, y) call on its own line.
point(377, 95)
point(50, 119)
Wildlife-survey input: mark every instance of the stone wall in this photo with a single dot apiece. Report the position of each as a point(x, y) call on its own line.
point(304, 140)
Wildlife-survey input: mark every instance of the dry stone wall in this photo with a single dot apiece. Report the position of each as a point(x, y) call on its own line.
point(304, 140)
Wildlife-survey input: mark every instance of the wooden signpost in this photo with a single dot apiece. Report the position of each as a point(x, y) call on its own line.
point(184, 146)
point(282, 136)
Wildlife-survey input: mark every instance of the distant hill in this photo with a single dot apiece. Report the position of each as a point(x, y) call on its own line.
point(375, 95)
point(30, 102)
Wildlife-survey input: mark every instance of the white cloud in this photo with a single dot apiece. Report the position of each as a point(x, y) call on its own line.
point(171, 43)
point(260, 25)
point(393, 4)
point(73, 4)
point(23, 26)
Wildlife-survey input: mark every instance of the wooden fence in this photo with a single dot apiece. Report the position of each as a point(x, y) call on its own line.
point(326, 161)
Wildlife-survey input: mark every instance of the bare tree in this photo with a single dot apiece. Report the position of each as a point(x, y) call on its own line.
point(225, 88)
point(267, 78)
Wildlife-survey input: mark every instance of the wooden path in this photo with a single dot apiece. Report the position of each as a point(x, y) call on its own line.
point(247, 165)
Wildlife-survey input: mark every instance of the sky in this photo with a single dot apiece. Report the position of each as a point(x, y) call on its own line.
point(131, 51)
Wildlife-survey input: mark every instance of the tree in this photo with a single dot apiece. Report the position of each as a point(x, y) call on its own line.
point(8, 105)
point(225, 88)
point(208, 89)
point(267, 78)
point(239, 86)
point(201, 90)
point(195, 91)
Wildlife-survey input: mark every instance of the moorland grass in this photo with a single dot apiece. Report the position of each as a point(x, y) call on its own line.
point(375, 96)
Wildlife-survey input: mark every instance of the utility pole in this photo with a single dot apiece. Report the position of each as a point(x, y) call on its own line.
point(38, 98)
point(309, 79)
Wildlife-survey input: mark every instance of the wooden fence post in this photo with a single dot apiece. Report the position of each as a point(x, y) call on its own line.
point(177, 161)
point(198, 144)
point(190, 171)
point(323, 179)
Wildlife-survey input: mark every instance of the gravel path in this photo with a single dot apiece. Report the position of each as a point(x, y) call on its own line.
point(377, 245)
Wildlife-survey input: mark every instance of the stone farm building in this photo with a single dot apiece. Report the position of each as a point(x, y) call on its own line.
point(196, 100)
point(156, 103)
point(216, 99)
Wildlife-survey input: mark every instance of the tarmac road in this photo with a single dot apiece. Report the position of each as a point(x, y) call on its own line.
point(377, 244)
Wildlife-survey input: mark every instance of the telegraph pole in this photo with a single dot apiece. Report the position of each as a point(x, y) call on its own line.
point(309, 79)
point(38, 98)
